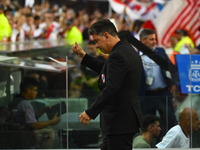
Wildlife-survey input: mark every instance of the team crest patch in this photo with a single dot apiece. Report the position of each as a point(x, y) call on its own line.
point(103, 78)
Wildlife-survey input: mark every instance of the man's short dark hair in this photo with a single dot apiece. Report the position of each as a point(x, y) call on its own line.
point(28, 82)
point(145, 32)
point(8, 10)
point(36, 17)
point(102, 26)
point(149, 120)
point(138, 23)
point(69, 22)
point(183, 32)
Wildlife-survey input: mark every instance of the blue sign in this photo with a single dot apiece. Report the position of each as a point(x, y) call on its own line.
point(189, 73)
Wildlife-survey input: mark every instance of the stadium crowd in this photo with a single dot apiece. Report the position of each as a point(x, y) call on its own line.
point(43, 21)
point(46, 21)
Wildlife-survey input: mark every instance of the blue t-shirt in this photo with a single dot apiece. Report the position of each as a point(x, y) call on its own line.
point(29, 111)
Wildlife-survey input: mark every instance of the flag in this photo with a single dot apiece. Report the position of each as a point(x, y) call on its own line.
point(178, 14)
point(133, 10)
point(152, 11)
point(136, 9)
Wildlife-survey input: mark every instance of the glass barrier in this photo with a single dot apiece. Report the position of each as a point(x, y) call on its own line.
point(71, 91)
point(159, 102)
point(27, 117)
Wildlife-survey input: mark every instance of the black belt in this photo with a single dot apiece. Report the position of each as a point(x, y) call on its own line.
point(158, 90)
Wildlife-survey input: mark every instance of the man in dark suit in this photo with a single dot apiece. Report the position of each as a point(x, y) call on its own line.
point(159, 85)
point(119, 81)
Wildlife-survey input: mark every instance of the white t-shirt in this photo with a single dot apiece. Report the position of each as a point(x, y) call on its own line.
point(175, 138)
point(37, 32)
point(54, 29)
point(26, 28)
point(15, 33)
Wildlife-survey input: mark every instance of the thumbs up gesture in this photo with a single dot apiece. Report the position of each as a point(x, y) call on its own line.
point(77, 49)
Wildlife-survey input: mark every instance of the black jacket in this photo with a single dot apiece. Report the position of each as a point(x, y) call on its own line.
point(119, 83)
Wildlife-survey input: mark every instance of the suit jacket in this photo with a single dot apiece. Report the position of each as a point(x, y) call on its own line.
point(119, 81)
point(170, 81)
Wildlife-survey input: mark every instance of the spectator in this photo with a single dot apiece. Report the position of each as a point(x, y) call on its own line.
point(71, 13)
point(72, 33)
point(173, 41)
point(62, 9)
point(26, 10)
point(50, 27)
point(96, 14)
point(5, 3)
point(170, 50)
point(158, 87)
point(18, 12)
point(90, 78)
point(125, 23)
point(183, 38)
point(83, 18)
point(151, 129)
point(38, 32)
point(87, 25)
point(28, 91)
point(28, 27)
point(37, 10)
point(136, 27)
point(178, 136)
point(116, 17)
point(5, 28)
point(55, 10)
point(8, 12)
point(42, 83)
point(180, 48)
point(193, 50)
point(45, 6)
point(18, 33)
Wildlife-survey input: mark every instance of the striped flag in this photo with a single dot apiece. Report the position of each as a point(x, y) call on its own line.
point(136, 9)
point(178, 14)
point(133, 10)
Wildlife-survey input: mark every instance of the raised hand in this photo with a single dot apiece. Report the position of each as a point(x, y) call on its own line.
point(77, 49)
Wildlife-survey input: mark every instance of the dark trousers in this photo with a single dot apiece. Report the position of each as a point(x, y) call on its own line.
point(118, 142)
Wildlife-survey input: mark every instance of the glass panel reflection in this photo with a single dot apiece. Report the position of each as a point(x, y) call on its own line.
point(78, 96)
